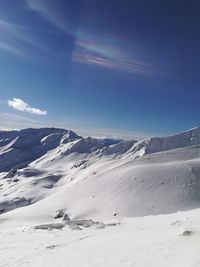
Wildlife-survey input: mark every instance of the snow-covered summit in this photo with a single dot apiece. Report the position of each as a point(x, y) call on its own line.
point(19, 148)
point(51, 169)
point(158, 144)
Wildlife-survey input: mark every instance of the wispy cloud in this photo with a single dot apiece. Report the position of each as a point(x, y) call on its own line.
point(10, 48)
point(26, 28)
point(13, 121)
point(19, 40)
point(20, 105)
point(46, 9)
point(29, 42)
point(112, 53)
point(109, 53)
point(9, 116)
point(8, 41)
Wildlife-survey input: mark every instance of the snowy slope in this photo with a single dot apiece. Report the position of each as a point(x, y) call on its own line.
point(152, 241)
point(156, 144)
point(88, 177)
point(109, 189)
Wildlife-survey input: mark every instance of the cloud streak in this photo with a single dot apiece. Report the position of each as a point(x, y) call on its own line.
point(111, 54)
point(47, 12)
point(83, 128)
point(90, 49)
point(18, 40)
point(8, 40)
point(20, 105)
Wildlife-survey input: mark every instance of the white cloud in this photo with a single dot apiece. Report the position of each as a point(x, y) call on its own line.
point(19, 104)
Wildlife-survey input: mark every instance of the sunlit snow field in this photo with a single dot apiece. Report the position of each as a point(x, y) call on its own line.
point(127, 203)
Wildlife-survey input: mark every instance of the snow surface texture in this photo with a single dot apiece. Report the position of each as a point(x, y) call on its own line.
point(53, 179)
point(152, 241)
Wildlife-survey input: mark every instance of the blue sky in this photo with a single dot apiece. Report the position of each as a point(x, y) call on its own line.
point(103, 68)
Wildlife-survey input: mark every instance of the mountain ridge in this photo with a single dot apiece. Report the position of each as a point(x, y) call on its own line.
point(88, 177)
point(41, 140)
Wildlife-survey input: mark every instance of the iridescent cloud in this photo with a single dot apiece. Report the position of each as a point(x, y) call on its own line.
point(113, 53)
point(108, 53)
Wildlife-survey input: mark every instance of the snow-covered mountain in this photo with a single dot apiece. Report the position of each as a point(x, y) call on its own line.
point(55, 179)
point(19, 148)
point(50, 169)
point(156, 144)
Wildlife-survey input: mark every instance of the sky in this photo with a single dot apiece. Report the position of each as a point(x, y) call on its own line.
point(103, 68)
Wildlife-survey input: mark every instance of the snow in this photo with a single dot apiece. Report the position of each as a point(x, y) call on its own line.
point(156, 144)
point(28, 145)
point(129, 203)
point(145, 241)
